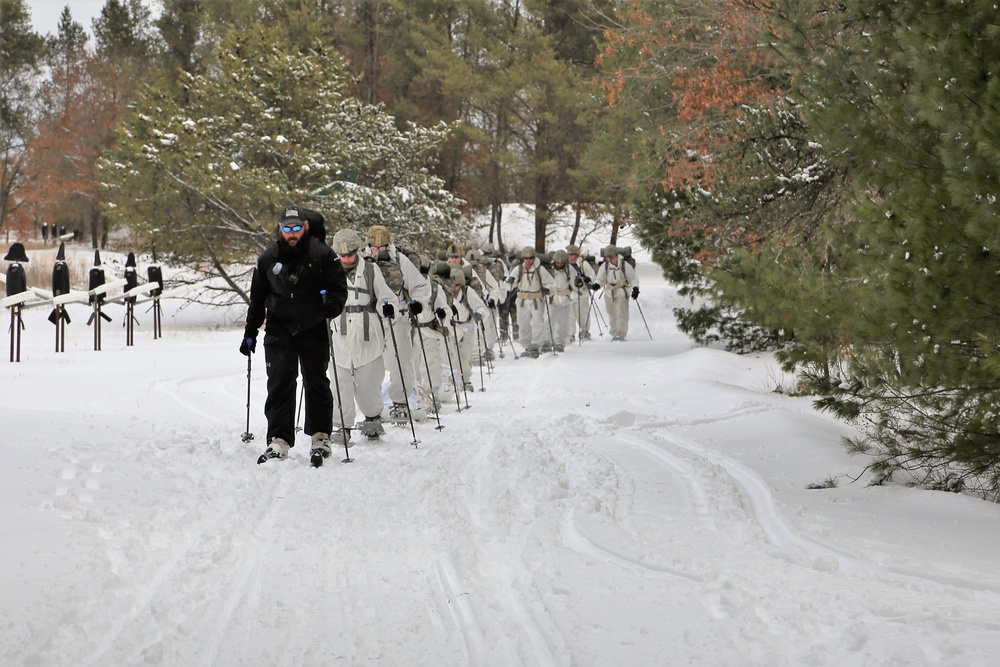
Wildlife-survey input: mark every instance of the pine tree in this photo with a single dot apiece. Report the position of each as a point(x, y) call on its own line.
point(180, 28)
point(273, 126)
point(904, 96)
point(731, 191)
point(124, 30)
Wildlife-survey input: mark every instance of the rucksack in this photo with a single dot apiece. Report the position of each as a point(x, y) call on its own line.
point(317, 223)
point(497, 269)
point(391, 269)
point(626, 253)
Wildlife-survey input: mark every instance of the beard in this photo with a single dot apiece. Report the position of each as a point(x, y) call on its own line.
point(288, 252)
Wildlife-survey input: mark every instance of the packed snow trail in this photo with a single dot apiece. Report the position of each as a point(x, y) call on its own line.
point(639, 503)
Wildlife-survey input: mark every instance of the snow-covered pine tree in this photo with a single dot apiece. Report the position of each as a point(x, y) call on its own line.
point(201, 179)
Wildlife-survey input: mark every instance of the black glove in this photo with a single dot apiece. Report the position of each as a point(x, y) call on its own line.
point(330, 311)
point(587, 280)
point(595, 286)
point(490, 303)
point(454, 311)
point(635, 292)
point(388, 311)
point(545, 290)
point(440, 313)
point(416, 307)
point(249, 344)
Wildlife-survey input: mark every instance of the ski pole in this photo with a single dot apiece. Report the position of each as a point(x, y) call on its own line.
point(548, 316)
point(482, 359)
point(510, 339)
point(451, 367)
point(495, 316)
point(489, 357)
point(427, 367)
point(298, 415)
point(643, 318)
point(593, 310)
point(247, 435)
point(336, 383)
point(458, 353)
point(402, 381)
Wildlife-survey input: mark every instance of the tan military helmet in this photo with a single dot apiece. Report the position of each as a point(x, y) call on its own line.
point(560, 257)
point(527, 252)
point(378, 235)
point(610, 251)
point(456, 249)
point(572, 249)
point(458, 276)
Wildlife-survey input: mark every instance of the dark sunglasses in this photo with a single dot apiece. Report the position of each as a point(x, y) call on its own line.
point(288, 229)
point(348, 254)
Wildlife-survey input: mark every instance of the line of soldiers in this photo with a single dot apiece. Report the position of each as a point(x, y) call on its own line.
point(467, 305)
point(429, 324)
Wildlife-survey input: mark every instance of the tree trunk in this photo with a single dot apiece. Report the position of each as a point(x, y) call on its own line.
point(614, 226)
point(576, 223)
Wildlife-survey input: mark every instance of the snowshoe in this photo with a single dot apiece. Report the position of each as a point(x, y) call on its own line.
point(277, 448)
point(340, 437)
point(372, 428)
point(546, 347)
point(560, 348)
point(399, 414)
point(533, 352)
point(584, 335)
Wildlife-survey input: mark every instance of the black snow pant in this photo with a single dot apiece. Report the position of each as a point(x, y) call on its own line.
point(284, 354)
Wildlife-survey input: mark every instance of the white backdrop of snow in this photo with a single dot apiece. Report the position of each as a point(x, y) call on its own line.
point(639, 503)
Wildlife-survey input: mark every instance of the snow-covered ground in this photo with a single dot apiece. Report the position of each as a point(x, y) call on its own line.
point(640, 503)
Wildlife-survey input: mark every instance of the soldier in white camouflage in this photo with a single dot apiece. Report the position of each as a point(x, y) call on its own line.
point(620, 281)
point(529, 284)
point(582, 286)
point(413, 291)
point(359, 339)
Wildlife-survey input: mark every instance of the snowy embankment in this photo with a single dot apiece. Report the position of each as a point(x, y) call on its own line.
point(639, 503)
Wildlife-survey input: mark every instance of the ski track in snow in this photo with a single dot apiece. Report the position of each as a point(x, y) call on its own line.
point(552, 524)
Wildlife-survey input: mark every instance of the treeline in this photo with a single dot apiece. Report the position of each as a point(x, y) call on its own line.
point(509, 86)
point(823, 177)
point(820, 177)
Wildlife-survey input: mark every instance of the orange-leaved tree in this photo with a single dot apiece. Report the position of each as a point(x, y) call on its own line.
point(691, 77)
point(83, 101)
point(724, 171)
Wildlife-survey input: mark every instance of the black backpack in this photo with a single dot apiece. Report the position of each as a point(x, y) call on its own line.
point(317, 223)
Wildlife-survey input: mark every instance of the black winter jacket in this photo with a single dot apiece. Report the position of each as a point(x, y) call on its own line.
point(287, 285)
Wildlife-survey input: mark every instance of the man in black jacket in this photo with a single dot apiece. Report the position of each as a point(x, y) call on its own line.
point(297, 285)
